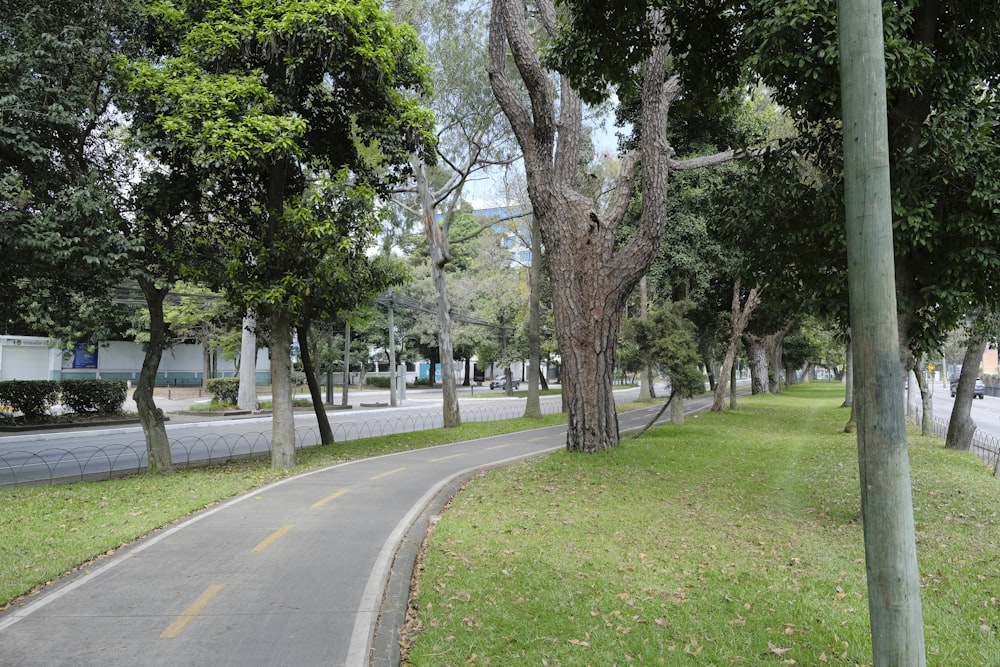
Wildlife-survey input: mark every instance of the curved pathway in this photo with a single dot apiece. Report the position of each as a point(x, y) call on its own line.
point(295, 573)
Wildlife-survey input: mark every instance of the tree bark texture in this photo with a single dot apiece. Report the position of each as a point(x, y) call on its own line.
point(886, 498)
point(757, 360)
point(591, 274)
point(961, 427)
point(283, 419)
point(774, 345)
point(158, 458)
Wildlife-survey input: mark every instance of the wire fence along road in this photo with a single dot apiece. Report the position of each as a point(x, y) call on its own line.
point(985, 445)
point(123, 451)
point(120, 452)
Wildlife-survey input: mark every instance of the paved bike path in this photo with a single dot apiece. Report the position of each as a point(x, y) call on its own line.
point(289, 574)
point(294, 573)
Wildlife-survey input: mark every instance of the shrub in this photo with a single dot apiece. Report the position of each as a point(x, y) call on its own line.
point(378, 381)
point(29, 397)
point(225, 390)
point(100, 396)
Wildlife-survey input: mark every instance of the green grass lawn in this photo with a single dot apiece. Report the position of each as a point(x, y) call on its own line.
point(734, 539)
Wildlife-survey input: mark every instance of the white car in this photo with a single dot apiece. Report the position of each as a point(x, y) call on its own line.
point(978, 392)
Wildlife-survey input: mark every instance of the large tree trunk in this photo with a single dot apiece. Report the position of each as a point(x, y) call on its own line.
point(774, 347)
point(592, 271)
point(741, 313)
point(153, 427)
point(886, 497)
point(315, 392)
point(757, 360)
point(282, 416)
point(247, 398)
point(961, 427)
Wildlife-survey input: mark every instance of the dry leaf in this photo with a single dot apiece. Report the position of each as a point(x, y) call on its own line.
point(775, 650)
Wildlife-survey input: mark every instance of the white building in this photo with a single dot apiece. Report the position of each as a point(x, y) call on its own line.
point(35, 358)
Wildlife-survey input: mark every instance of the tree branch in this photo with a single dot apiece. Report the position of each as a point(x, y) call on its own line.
point(702, 161)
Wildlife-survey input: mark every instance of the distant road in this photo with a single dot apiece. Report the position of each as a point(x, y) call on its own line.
point(37, 457)
point(985, 412)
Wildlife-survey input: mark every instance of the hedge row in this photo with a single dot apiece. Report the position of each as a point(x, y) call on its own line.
point(33, 398)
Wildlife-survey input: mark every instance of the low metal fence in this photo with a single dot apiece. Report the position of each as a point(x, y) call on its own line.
point(64, 464)
point(986, 446)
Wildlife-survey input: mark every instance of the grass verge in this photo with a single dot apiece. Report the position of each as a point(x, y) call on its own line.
point(47, 531)
point(734, 539)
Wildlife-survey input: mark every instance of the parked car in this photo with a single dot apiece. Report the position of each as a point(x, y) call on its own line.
point(501, 382)
point(978, 392)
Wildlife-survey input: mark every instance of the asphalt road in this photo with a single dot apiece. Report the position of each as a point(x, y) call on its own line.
point(295, 573)
point(985, 412)
point(38, 456)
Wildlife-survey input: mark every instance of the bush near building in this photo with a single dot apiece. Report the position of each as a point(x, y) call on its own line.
point(34, 398)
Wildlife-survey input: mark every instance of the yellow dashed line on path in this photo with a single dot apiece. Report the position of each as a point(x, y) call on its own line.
point(272, 538)
point(386, 474)
point(489, 449)
point(332, 496)
point(445, 458)
point(181, 622)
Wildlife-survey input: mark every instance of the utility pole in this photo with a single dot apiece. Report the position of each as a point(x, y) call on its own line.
point(886, 499)
point(347, 362)
point(392, 357)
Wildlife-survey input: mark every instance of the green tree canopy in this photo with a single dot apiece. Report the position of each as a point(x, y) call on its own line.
point(63, 239)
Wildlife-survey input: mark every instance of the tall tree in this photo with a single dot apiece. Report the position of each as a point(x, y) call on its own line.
point(886, 501)
point(592, 273)
point(284, 98)
point(471, 137)
point(169, 220)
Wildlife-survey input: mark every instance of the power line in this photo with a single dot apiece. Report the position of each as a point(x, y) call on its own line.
point(390, 300)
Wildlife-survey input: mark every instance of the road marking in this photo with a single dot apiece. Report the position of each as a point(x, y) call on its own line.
point(386, 474)
point(175, 629)
point(272, 538)
point(445, 458)
point(490, 449)
point(332, 496)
